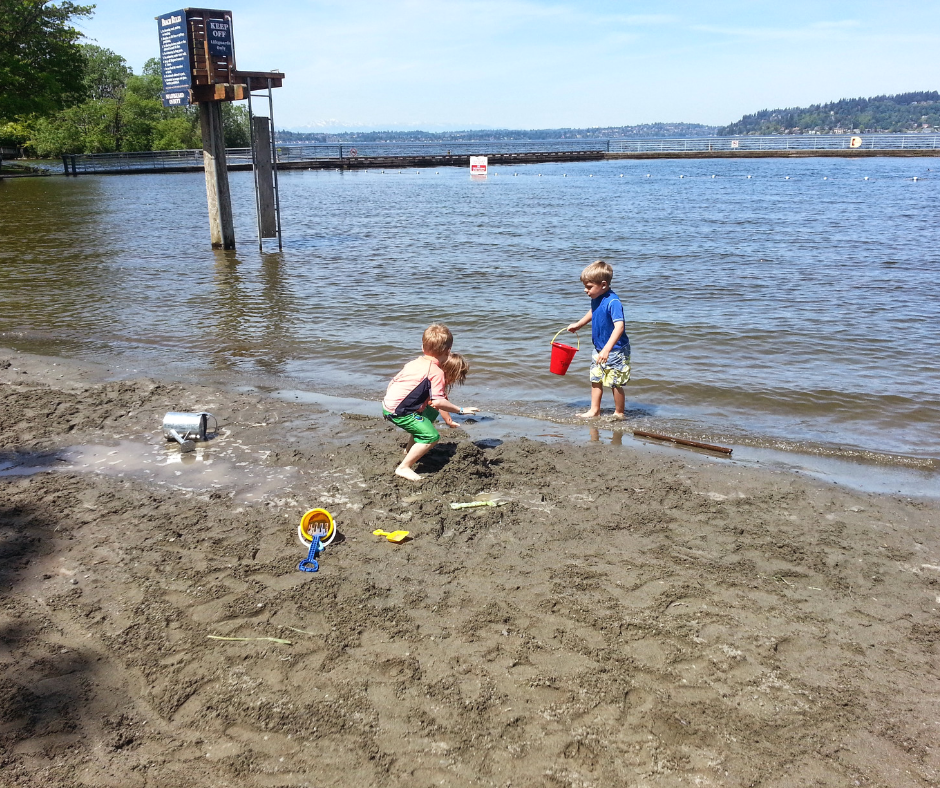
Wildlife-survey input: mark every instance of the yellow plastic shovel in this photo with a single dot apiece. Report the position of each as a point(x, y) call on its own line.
point(392, 536)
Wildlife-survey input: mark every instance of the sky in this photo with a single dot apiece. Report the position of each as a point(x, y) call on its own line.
point(527, 64)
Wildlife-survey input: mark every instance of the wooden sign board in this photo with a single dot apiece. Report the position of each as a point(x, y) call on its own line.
point(175, 67)
point(197, 58)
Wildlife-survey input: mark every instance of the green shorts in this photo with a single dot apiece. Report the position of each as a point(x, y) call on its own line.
point(419, 425)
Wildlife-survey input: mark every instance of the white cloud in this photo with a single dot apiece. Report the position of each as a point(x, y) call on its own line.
point(845, 23)
point(807, 33)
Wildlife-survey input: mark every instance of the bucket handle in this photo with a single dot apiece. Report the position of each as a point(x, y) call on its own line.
point(575, 334)
point(214, 419)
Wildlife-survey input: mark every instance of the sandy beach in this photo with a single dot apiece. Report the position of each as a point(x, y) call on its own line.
point(623, 618)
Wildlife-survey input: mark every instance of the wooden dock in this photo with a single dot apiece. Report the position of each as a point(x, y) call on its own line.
point(431, 161)
point(392, 156)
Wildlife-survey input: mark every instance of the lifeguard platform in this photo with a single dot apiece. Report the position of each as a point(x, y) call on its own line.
point(197, 56)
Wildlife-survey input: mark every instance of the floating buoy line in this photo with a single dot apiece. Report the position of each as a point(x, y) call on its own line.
point(930, 176)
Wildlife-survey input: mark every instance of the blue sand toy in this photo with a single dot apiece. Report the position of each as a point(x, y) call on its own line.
point(316, 529)
point(310, 563)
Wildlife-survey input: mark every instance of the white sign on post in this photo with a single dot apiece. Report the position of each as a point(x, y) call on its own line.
point(478, 166)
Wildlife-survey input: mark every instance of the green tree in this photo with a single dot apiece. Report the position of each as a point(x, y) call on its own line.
point(235, 126)
point(180, 132)
point(14, 134)
point(121, 111)
point(149, 85)
point(143, 108)
point(901, 112)
point(49, 137)
point(42, 67)
point(106, 73)
point(98, 124)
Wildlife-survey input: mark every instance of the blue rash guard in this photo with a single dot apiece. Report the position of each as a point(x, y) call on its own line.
point(605, 311)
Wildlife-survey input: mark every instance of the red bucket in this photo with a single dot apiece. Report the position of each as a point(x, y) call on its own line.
point(562, 355)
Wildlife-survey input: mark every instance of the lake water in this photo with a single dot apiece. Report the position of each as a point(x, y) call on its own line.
point(795, 309)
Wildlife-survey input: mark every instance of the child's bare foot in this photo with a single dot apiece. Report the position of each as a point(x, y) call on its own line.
point(618, 416)
point(588, 414)
point(407, 473)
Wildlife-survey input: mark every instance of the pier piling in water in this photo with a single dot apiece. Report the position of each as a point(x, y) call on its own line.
point(264, 177)
point(221, 224)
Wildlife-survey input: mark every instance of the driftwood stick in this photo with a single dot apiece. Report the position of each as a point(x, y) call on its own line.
point(245, 640)
point(683, 442)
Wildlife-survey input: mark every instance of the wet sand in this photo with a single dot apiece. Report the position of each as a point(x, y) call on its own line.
point(623, 619)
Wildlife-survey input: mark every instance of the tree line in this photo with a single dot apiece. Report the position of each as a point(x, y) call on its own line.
point(58, 95)
point(500, 135)
point(903, 112)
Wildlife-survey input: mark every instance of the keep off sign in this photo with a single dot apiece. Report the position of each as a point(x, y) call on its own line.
point(478, 165)
point(219, 37)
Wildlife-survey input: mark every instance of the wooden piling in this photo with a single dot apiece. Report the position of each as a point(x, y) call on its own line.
point(264, 176)
point(221, 224)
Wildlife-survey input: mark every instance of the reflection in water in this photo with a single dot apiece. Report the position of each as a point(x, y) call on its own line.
point(251, 318)
point(229, 310)
point(616, 439)
point(277, 308)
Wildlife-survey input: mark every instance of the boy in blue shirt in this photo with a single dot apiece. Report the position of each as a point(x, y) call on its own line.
point(610, 362)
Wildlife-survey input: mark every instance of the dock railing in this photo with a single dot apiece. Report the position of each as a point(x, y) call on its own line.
point(386, 150)
point(329, 153)
point(148, 161)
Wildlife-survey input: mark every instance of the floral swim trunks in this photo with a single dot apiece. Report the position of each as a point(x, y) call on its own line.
point(612, 374)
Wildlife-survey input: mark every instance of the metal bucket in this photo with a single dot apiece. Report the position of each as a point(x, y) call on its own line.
point(184, 428)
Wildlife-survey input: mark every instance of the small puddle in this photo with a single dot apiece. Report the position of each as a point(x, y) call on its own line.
point(229, 468)
point(28, 464)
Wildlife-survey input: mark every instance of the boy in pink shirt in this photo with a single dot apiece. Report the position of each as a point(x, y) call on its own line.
point(415, 396)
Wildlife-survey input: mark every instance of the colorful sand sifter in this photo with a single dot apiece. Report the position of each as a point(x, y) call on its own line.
point(316, 531)
point(562, 355)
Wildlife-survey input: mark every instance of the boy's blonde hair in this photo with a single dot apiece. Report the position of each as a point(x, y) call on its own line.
point(597, 272)
point(437, 339)
point(455, 369)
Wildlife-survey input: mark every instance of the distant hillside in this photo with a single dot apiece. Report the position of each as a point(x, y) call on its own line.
point(904, 112)
point(500, 135)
